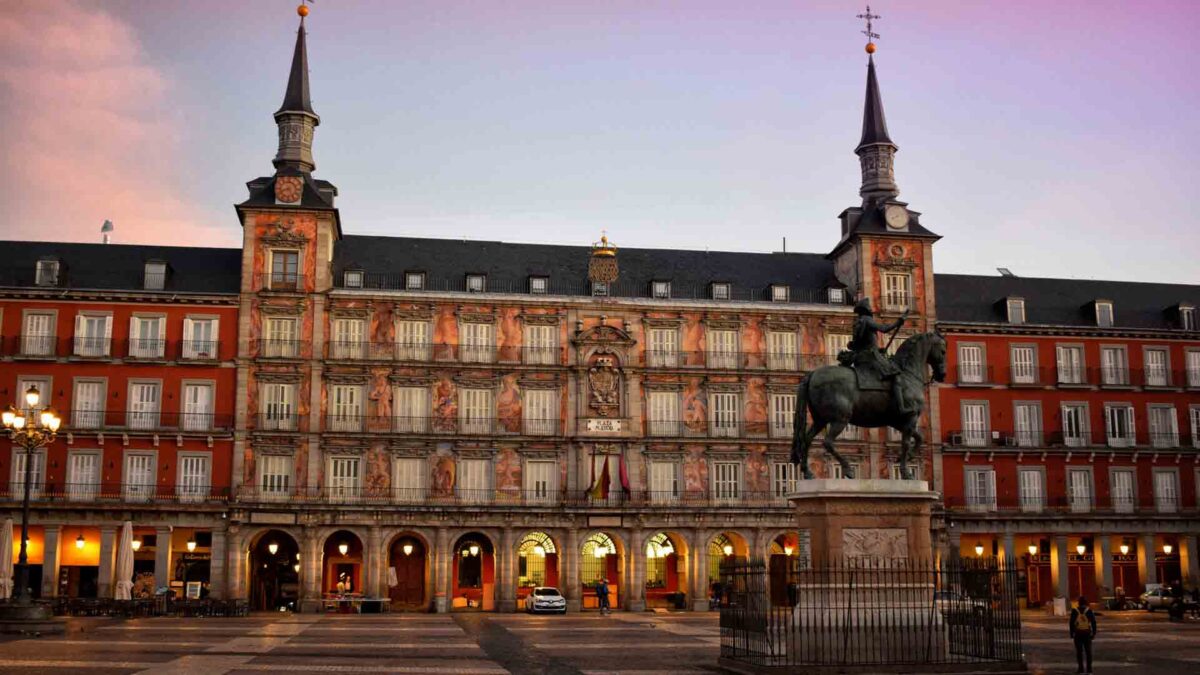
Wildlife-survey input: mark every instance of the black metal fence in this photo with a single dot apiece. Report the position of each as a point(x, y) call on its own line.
point(148, 607)
point(896, 614)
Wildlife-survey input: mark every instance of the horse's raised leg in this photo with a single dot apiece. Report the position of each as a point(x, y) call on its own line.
point(834, 430)
point(800, 455)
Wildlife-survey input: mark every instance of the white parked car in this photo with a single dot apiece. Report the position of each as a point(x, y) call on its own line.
point(545, 599)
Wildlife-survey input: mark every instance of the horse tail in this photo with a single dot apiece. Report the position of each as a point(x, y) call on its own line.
point(800, 438)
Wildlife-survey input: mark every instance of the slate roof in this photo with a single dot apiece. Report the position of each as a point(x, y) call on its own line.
point(508, 266)
point(317, 194)
point(1060, 302)
point(296, 97)
point(122, 267)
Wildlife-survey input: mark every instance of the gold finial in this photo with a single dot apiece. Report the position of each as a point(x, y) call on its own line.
point(603, 248)
point(302, 9)
point(869, 32)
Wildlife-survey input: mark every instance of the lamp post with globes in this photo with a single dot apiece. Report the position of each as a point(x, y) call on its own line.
point(29, 428)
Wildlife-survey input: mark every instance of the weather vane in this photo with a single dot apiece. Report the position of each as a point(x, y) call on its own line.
point(871, 35)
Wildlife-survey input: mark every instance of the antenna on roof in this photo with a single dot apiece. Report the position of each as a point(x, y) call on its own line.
point(1005, 272)
point(106, 231)
point(785, 244)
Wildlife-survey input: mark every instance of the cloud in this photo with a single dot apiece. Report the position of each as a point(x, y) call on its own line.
point(88, 132)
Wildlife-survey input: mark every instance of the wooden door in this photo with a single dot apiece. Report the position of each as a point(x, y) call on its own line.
point(410, 575)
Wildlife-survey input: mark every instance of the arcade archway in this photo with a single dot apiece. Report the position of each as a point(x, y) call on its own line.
point(342, 564)
point(726, 546)
point(408, 572)
point(474, 574)
point(666, 571)
point(537, 564)
point(600, 558)
point(274, 572)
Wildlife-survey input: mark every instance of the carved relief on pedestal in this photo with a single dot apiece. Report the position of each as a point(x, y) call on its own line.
point(877, 543)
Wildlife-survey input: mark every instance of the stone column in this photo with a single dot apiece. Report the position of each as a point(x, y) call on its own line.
point(569, 568)
point(441, 576)
point(311, 563)
point(1008, 553)
point(162, 557)
point(1147, 570)
point(237, 584)
point(372, 559)
point(698, 564)
point(1059, 577)
point(954, 545)
point(104, 587)
point(217, 587)
point(1102, 553)
point(49, 560)
point(633, 586)
point(1189, 557)
point(505, 557)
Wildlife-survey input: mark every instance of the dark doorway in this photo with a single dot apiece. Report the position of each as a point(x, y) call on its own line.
point(274, 577)
point(408, 559)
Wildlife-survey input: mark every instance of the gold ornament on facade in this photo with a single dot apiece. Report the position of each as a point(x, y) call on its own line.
point(602, 268)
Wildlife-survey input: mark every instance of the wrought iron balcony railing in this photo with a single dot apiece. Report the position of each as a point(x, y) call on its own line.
point(1056, 506)
point(972, 375)
point(424, 424)
point(280, 420)
point(1029, 439)
point(128, 493)
point(92, 420)
point(351, 494)
point(343, 350)
point(92, 347)
point(736, 360)
point(283, 282)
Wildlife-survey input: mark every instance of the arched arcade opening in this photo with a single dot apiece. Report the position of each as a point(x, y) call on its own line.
point(537, 564)
point(600, 558)
point(408, 573)
point(473, 574)
point(274, 572)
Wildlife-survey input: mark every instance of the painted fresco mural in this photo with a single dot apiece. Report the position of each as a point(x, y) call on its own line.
point(443, 474)
point(754, 347)
point(756, 419)
point(509, 334)
point(508, 471)
point(508, 404)
point(445, 404)
point(445, 334)
point(692, 342)
point(695, 470)
point(758, 470)
point(695, 405)
point(378, 481)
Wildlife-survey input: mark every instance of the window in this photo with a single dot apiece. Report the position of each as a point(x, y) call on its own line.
point(1164, 427)
point(726, 421)
point(1166, 490)
point(539, 411)
point(1075, 426)
point(408, 482)
point(975, 424)
point(835, 343)
point(476, 283)
point(414, 281)
point(915, 468)
point(721, 291)
point(197, 407)
point(1079, 489)
point(194, 483)
point(663, 413)
point(37, 338)
point(541, 481)
point(780, 293)
point(275, 476)
point(1118, 425)
point(37, 473)
point(1104, 314)
point(837, 296)
point(661, 289)
point(1194, 418)
point(47, 273)
point(83, 476)
point(836, 470)
point(352, 279)
point(411, 409)
point(1031, 484)
point(970, 364)
point(87, 404)
point(477, 343)
point(199, 338)
point(281, 339)
point(981, 489)
point(41, 383)
point(727, 481)
point(139, 476)
point(1016, 310)
point(897, 295)
point(474, 480)
point(93, 334)
point(664, 347)
point(143, 405)
point(540, 344)
point(278, 407)
point(1114, 367)
point(345, 407)
point(155, 276)
point(349, 341)
point(1122, 490)
point(1024, 365)
point(285, 270)
point(539, 285)
point(342, 483)
point(1187, 318)
point(412, 340)
point(783, 479)
point(664, 481)
point(146, 337)
point(1193, 368)
point(722, 349)
point(599, 288)
point(1027, 424)
point(781, 350)
point(1070, 364)
point(783, 415)
point(1157, 368)
point(475, 411)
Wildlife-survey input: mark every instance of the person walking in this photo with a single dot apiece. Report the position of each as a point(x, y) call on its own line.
point(1083, 631)
point(602, 595)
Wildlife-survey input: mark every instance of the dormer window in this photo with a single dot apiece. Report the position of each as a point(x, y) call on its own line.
point(837, 296)
point(352, 279)
point(47, 273)
point(1187, 317)
point(476, 283)
point(1016, 310)
point(414, 281)
point(599, 288)
point(661, 289)
point(780, 293)
point(721, 290)
point(155, 276)
point(1104, 314)
point(539, 285)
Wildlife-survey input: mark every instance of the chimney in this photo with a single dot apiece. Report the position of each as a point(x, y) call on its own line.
point(106, 232)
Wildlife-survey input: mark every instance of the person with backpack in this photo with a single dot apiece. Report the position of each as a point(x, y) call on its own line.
point(1083, 630)
point(602, 595)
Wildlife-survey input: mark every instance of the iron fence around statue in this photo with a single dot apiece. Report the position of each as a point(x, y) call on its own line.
point(790, 614)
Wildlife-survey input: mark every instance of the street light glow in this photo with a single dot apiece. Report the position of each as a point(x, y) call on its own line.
point(32, 396)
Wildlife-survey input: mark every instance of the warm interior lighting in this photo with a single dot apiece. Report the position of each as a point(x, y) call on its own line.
point(296, 567)
point(979, 549)
point(1080, 548)
point(539, 551)
point(1124, 549)
point(137, 545)
point(727, 549)
point(600, 552)
point(1167, 548)
point(8, 416)
point(787, 550)
point(32, 396)
point(407, 548)
point(465, 553)
point(47, 416)
point(191, 545)
point(79, 542)
point(343, 548)
point(272, 548)
point(1033, 549)
point(19, 422)
point(474, 549)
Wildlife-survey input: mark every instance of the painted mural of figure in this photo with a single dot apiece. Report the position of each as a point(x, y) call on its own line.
point(693, 341)
point(695, 471)
point(443, 476)
point(756, 406)
point(381, 394)
point(509, 335)
point(508, 404)
point(695, 408)
point(445, 406)
point(758, 473)
point(508, 471)
point(753, 343)
point(445, 334)
point(378, 479)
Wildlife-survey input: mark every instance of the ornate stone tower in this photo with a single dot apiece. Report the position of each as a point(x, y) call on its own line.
point(295, 118)
point(876, 151)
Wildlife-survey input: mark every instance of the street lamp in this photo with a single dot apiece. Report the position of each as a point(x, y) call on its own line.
point(29, 429)
point(191, 545)
point(1080, 549)
point(1124, 549)
point(727, 549)
point(1033, 549)
point(137, 545)
point(272, 548)
point(407, 548)
point(1167, 548)
point(979, 550)
point(79, 541)
point(787, 550)
point(343, 548)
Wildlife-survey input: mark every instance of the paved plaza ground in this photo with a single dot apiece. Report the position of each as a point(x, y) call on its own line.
point(495, 644)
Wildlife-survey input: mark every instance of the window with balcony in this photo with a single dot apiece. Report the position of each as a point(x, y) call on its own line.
point(783, 479)
point(275, 476)
point(93, 335)
point(1157, 367)
point(1104, 314)
point(1114, 366)
point(278, 411)
point(663, 347)
point(83, 475)
point(664, 481)
point(47, 273)
point(1079, 489)
point(1193, 368)
point(198, 401)
point(1166, 490)
point(976, 425)
point(780, 293)
point(970, 364)
point(1118, 425)
point(1024, 364)
point(343, 481)
point(981, 489)
point(1194, 419)
point(722, 348)
point(836, 470)
point(478, 343)
point(281, 338)
point(349, 339)
point(539, 410)
point(1164, 426)
point(914, 468)
point(144, 401)
point(36, 464)
point(1075, 426)
point(194, 481)
point(725, 411)
point(285, 271)
point(1016, 310)
point(199, 338)
point(721, 290)
point(836, 343)
point(1027, 424)
point(412, 340)
point(414, 281)
point(663, 413)
point(476, 283)
point(1121, 492)
point(345, 407)
point(38, 334)
point(783, 415)
point(1031, 486)
point(474, 480)
point(411, 409)
point(661, 289)
point(782, 353)
point(897, 291)
point(87, 404)
point(540, 480)
point(154, 277)
point(1070, 364)
point(541, 345)
point(727, 481)
point(352, 278)
point(409, 478)
point(476, 410)
point(139, 476)
point(147, 337)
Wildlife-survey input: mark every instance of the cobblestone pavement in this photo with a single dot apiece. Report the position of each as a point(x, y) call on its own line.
point(579, 644)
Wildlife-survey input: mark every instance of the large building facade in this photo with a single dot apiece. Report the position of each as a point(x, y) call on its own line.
point(446, 424)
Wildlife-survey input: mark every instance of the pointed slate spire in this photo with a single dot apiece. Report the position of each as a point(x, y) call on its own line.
point(295, 118)
point(296, 99)
point(874, 122)
point(875, 150)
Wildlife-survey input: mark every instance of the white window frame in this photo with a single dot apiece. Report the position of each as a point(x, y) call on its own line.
point(662, 413)
point(154, 276)
point(410, 479)
point(147, 347)
point(1187, 318)
point(91, 415)
point(783, 479)
point(976, 423)
point(837, 296)
point(139, 487)
point(541, 344)
point(780, 293)
point(1028, 433)
point(980, 488)
point(276, 474)
point(345, 407)
point(192, 485)
point(1166, 490)
point(1071, 364)
point(83, 488)
point(783, 350)
point(1023, 371)
point(727, 481)
point(1122, 492)
point(195, 416)
point(1194, 423)
point(1158, 375)
point(1117, 415)
point(721, 290)
point(836, 343)
point(204, 348)
point(284, 280)
point(46, 273)
point(86, 342)
point(539, 411)
point(412, 340)
point(1031, 488)
point(1160, 437)
point(972, 363)
point(725, 414)
point(343, 478)
point(539, 285)
point(410, 409)
point(39, 332)
point(662, 480)
point(1192, 365)
point(539, 479)
point(723, 347)
point(897, 291)
point(140, 416)
point(1016, 310)
point(662, 347)
point(349, 338)
point(414, 281)
point(352, 279)
point(1078, 438)
point(783, 414)
point(476, 410)
point(37, 480)
point(476, 283)
point(661, 290)
point(478, 342)
point(278, 410)
point(1105, 316)
point(1114, 365)
point(1081, 494)
point(474, 479)
point(281, 337)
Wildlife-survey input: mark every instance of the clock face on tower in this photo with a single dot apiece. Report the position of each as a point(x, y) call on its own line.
point(288, 189)
point(896, 216)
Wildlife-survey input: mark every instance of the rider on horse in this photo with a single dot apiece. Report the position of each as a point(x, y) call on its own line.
point(864, 348)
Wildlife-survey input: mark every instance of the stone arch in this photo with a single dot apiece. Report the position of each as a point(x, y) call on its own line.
point(612, 567)
point(272, 556)
point(539, 556)
point(344, 559)
point(473, 571)
point(408, 558)
point(666, 561)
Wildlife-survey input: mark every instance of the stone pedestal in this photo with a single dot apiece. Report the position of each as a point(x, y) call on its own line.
point(854, 519)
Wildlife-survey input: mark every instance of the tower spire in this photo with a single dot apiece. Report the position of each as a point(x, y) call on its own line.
point(296, 118)
point(875, 150)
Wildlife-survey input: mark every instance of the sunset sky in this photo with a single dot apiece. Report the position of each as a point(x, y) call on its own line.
point(1053, 138)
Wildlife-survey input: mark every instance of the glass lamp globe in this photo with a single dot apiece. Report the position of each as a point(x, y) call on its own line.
point(32, 396)
point(407, 548)
point(343, 548)
point(727, 549)
point(273, 548)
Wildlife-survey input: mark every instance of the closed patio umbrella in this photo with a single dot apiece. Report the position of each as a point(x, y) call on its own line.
point(6, 564)
point(124, 563)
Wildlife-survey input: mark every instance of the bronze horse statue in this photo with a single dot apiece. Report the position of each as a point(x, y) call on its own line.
point(833, 395)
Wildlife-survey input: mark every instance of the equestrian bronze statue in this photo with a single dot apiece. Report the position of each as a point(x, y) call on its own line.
point(868, 389)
